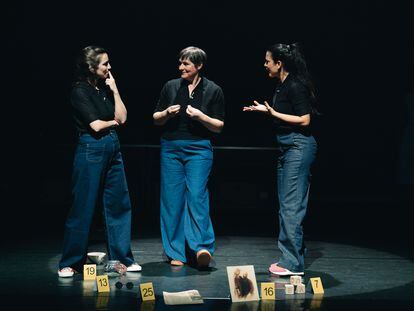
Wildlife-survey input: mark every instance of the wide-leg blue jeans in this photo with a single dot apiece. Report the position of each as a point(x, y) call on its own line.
point(98, 177)
point(184, 197)
point(296, 155)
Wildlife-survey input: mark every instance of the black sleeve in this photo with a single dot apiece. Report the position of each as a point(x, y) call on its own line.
point(217, 106)
point(163, 101)
point(300, 98)
point(81, 101)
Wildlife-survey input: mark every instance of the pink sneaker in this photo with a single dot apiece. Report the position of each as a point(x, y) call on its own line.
point(275, 269)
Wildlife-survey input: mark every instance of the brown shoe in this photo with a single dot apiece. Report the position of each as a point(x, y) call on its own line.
point(174, 262)
point(203, 258)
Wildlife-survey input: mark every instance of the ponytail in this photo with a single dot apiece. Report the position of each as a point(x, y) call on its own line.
point(293, 61)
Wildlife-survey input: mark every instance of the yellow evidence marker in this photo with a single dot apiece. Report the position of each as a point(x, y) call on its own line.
point(103, 283)
point(268, 291)
point(89, 272)
point(317, 286)
point(147, 291)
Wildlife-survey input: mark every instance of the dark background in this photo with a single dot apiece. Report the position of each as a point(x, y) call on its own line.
point(360, 54)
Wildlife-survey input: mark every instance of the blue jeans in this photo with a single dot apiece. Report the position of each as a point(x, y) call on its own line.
point(184, 197)
point(98, 177)
point(296, 155)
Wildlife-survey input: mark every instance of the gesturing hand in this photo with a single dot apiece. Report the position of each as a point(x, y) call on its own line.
point(173, 110)
point(193, 113)
point(260, 107)
point(256, 107)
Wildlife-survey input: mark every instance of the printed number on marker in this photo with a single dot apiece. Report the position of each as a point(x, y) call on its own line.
point(268, 291)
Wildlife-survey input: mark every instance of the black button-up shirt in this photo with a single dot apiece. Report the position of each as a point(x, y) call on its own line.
point(294, 98)
point(207, 97)
point(90, 105)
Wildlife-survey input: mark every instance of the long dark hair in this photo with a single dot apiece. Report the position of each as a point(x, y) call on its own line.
point(294, 62)
point(87, 62)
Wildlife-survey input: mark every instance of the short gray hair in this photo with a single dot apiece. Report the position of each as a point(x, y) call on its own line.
point(196, 55)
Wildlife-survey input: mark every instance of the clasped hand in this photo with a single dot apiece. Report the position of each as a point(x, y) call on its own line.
point(191, 112)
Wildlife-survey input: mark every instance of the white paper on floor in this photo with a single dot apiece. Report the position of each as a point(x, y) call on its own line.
point(188, 297)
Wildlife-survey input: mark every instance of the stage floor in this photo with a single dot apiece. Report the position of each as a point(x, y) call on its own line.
point(353, 277)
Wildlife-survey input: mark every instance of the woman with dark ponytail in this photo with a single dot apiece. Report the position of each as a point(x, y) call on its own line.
point(291, 109)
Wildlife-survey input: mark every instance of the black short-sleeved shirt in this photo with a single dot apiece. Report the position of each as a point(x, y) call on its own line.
point(90, 105)
point(294, 98)
point(207, 97)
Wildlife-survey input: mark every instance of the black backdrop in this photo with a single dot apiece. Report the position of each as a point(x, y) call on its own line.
point(359, 53)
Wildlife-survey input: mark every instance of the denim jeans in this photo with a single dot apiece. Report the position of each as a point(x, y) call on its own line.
point(296, 155)
point(184, 197)
point(98, 177)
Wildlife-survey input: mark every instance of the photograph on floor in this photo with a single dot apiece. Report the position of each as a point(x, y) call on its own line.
point(242, 283)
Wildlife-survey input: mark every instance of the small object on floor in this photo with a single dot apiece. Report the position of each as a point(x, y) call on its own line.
point(89, 272)
point(203, 258)
point(317, 286)
point(295, 279)
point(289, 289)
point(135, 267)
point(174, 262)
point(147, 291)
point(268, 291)
point(277, 270)
point(300, 289)
point(119, 285)
point(102, 282)
point(115, 268)
point(66, 272)
point(128, 285)
point(96, 257)
point(188, 297)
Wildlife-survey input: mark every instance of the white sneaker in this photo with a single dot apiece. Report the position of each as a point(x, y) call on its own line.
point(134, 268)
point(66, 272)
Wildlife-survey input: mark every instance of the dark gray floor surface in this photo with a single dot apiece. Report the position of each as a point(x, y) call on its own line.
point(354, 277)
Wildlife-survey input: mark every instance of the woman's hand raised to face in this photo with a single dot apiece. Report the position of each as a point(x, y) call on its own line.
point(111, 83)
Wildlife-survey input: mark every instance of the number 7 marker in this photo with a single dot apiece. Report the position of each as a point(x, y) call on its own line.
point(317, 286)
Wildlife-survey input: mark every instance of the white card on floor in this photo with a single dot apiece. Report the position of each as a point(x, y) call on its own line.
point(242, 283)
point(188, 297)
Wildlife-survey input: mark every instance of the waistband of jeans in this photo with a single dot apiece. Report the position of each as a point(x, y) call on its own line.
point(98, 134)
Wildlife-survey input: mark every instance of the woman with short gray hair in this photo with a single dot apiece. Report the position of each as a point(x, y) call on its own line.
point(190, 110)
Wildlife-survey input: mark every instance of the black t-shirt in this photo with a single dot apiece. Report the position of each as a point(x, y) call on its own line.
point(207, 97)
point(294, 98)
point(90, 105)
